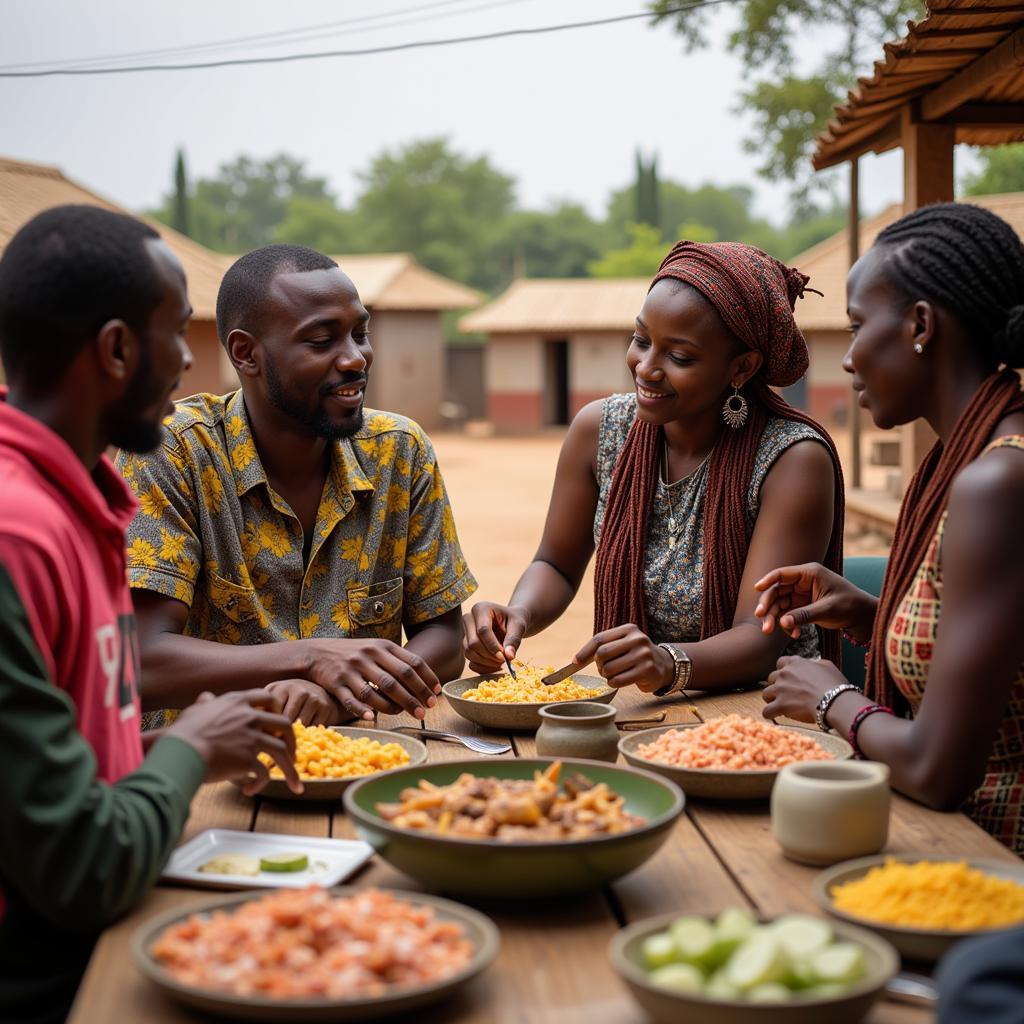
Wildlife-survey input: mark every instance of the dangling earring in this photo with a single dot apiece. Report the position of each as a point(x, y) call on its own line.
point(735, 410)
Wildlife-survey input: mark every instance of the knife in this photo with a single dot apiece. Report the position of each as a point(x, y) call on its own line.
point(563, 673)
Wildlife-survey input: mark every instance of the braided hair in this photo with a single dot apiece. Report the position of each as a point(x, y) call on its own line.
point(971, 263)
point(754, 294)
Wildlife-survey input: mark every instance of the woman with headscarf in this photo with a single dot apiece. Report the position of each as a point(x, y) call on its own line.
point(937, 319)
point(690, 487)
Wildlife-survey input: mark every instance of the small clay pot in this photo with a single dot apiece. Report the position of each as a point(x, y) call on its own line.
point(827, 811)
point(578, 729)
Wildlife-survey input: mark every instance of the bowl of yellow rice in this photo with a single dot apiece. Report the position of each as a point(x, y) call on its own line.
point(924, 905)
point(501, 702)
point(330, 758)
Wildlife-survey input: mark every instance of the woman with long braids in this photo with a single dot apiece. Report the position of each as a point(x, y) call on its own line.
point(937, 315)
point(690, 487)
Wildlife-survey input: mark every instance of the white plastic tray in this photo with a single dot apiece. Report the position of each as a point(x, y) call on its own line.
point(330, 860)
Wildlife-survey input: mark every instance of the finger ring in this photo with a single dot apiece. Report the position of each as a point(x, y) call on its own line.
point(367, 688)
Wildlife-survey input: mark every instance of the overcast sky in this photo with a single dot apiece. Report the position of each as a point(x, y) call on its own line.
point(562, 113)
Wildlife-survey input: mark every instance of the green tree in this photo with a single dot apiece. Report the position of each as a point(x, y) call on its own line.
point(319, 224)
point(241, 207)
point(1002, 170)
point(641, 258)
point(791, 109)
point(181, 221)
point(646, 193)
point(445, 208)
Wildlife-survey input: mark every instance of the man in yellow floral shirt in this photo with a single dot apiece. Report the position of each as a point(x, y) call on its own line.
point(286, 537)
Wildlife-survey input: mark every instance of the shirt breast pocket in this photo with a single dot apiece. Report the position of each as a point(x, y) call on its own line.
point(376, 610)
point(236, 603)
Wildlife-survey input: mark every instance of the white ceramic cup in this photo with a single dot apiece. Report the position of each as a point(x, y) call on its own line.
point(827, 811)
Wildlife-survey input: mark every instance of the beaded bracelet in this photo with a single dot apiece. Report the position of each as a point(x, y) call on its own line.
point(850, 638)
point(858, 721)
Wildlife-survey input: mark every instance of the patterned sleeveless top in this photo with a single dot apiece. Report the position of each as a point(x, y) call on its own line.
point(674, 575)
point(998, 803)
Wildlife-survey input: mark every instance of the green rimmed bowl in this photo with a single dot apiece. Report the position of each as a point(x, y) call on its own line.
point(722, 783)
point(516, 717)
point(497, 870)
point(479, 929)
point(668, 1007)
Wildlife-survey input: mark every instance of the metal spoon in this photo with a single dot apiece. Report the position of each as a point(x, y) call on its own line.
point(472, 742)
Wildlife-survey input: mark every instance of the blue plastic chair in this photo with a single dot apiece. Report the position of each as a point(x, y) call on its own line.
point(866, 572)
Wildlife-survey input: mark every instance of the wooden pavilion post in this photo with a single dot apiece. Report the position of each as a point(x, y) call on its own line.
point(853, 233)
point(927, 178)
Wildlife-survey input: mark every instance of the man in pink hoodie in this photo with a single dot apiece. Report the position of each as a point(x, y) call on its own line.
point(93, 310)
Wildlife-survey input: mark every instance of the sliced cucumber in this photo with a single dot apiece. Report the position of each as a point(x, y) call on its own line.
point(732, 927)
point(802, 935)
point(284, 862)
point(760, 960)
point(659, 949)
point(773, 992)
point(842, 962)
point(678, 978)
point(720, 987)
point(694, 939)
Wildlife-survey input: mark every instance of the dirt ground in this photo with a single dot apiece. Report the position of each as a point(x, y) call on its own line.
point(499, 488)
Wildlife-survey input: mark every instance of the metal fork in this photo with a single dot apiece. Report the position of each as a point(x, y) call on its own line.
point(472, 742)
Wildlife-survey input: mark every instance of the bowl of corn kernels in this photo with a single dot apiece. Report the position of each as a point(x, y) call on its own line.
point(331, 758)
point(504, 702)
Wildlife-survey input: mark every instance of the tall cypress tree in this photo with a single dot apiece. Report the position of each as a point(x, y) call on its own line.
point(181, 220)
point(647, 197)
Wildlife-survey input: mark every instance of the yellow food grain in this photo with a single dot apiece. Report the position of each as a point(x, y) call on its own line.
point(321, 753)
point(527, 688)
point(940, 895)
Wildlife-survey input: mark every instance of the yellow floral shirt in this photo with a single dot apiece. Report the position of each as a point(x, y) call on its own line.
point(212, 533)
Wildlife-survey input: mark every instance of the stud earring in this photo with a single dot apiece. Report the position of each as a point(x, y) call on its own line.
point(919, 348)
point(735, 409)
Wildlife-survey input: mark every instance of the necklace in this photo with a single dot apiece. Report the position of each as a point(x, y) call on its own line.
point(668, 490)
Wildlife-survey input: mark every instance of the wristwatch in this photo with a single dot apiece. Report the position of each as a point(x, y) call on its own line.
point(683, 667)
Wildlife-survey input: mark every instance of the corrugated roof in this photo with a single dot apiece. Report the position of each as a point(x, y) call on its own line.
point(27, 189)
point(827, 263)
point(954, 35)
point(553, 304)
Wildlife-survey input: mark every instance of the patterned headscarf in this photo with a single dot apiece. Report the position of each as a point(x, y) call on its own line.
point(754, 294)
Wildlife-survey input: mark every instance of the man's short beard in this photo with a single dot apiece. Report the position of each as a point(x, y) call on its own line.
point(315, 422)
point(127, 429)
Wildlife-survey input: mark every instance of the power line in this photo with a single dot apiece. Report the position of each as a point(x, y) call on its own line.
point(394, 48)
point(283, 36)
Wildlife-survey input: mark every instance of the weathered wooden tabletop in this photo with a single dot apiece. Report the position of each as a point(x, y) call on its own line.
point(553, 964)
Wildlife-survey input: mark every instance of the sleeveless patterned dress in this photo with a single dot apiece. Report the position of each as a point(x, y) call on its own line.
point(674, 575)
point(997, 805)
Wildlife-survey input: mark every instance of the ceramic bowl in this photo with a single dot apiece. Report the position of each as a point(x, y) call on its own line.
point(479, 929)
point(498, 870)
point(332, 789)
point(716, 783)
point(667, 1007)
point(924, 944)
point(511, 716)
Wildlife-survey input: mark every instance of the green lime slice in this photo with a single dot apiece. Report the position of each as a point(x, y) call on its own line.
point(284, 862)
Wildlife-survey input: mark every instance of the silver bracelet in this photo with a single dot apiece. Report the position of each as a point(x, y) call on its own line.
point(821, 709)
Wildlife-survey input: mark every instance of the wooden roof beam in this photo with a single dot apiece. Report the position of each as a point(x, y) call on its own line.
point(984, 11)
point(967, 84)
point(985, 115)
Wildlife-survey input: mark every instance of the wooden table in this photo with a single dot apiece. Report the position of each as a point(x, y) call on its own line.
point(553, 965)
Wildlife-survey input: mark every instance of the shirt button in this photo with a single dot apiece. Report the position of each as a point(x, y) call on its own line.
point(378, 607)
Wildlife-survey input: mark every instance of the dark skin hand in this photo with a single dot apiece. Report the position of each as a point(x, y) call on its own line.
point(681, 352)
point(939, 756)
point(228, 732)
point(176, 668)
